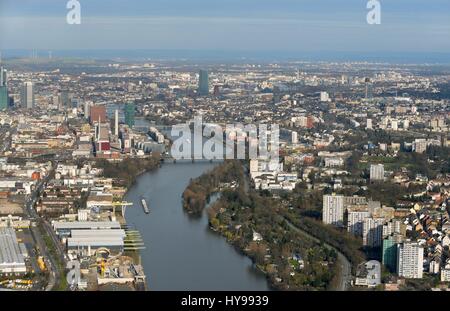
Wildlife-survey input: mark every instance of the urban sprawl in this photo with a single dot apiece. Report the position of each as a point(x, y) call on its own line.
point(362, 180)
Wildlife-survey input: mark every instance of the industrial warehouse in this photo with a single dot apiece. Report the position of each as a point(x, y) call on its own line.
point(12, 253)
point(87, 237)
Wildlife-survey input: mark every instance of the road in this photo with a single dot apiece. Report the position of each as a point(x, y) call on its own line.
point(34, 217)
point(49, 261)
point(345, 275)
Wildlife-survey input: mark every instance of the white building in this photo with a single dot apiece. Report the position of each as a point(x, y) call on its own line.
point(377, 172)
point(354, 200)
point(254, 166)
point(410, 260)
point(294, 138)
point(394, 125)
point(12, 253)
point(27, 95)
point(324, 97)
point(355, 222)
point(445, 273)
point(373, 232)
point(333, 210)
point(334, 162)
point(369, 125)
point(369, 274)
point(91, 240)
point(406, 124)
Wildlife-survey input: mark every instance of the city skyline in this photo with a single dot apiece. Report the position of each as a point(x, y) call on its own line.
point(255, 146)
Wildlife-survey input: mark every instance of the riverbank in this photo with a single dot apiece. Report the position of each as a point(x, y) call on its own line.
point(125, 173)
point(250, 221)
point(200, 189)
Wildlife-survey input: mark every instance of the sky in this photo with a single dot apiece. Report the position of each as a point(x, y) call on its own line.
point(419, 26)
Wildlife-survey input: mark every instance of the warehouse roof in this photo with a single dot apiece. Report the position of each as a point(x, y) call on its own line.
point(95, 242)
point(10, 251)
point(78, 225)
point(98, 233)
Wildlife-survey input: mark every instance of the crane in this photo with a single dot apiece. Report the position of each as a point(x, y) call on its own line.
point(123, 206)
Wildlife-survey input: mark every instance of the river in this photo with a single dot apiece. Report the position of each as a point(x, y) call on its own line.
point(181, 253)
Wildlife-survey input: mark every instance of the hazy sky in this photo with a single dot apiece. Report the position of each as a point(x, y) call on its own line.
point(284, 25)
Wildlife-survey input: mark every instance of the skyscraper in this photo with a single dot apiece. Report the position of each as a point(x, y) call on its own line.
point(203, 84)
point(3, 77)
point(216, 90)
point(373, 231)
point(390, 251)
point(410, 260)
point(355, 219)
point(65, 99)
point(294, 138)
point(27, 96)
point(129, 114)
point(116, 123)
point(3, 89)
point(333, 210)
point(3, 97)
point(368, 93)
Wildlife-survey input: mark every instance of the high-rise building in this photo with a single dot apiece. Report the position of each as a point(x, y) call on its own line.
point(216, 90)
point(373, 231)
point(389, 257)
point(368, 93)
point(294, 138)
point(65, 99)
point(377, 172)
point(3, 77)
point(410, 260)
point(3, 97)
point(87, 109)
point(27, 95)
point(129, 111)
point(333, 210)
point(355, 219)
point(103, 144)
point(97, 114)
point(116, 123)
point(203, 84)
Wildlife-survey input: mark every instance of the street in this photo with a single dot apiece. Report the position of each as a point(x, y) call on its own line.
point(346, 268)
point(50, 261)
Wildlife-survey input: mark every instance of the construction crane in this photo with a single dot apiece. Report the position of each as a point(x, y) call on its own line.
point(123, 205)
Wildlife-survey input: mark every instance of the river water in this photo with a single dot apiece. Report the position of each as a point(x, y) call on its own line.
point(181, 252)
